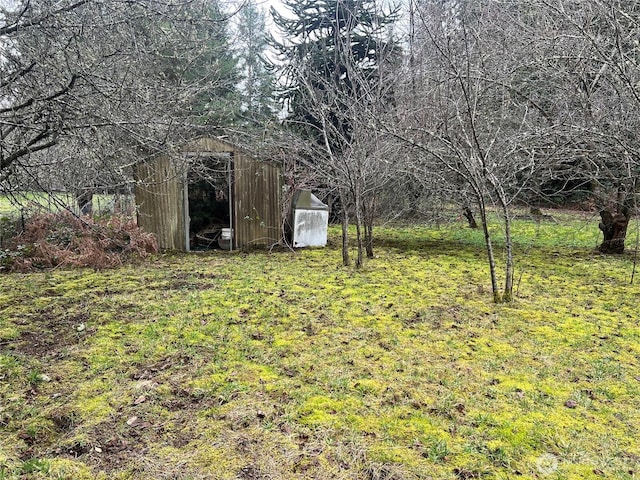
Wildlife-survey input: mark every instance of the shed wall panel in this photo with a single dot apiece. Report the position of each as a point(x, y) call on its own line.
point(257, 185)
point(160, 202)
point(257, 210)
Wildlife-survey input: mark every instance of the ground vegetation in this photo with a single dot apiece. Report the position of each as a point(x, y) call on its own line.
point(281, 366)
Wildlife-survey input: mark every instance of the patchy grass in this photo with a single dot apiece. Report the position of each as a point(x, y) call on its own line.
point(6, 208)
point(288, 366)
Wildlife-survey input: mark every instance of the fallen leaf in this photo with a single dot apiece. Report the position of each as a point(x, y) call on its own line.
point(139, 400)
point(132, 421)
point(571, 404)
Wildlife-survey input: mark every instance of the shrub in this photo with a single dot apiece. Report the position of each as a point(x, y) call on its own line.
point(64, 239)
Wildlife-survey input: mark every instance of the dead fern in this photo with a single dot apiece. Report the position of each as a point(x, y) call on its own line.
point(63, 239)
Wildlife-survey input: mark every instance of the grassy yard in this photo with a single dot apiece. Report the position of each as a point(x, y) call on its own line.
point(289, 366)
point(41, 201)
point(9, 205)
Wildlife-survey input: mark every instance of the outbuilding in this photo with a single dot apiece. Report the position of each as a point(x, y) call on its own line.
point(209, 193)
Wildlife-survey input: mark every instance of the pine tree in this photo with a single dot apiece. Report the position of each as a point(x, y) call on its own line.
point(215, 67)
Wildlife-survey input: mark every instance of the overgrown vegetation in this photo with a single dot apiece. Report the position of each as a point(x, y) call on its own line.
point(64, 239)
point(283, 366)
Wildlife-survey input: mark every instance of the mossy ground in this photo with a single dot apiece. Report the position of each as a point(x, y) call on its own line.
point(290, 366)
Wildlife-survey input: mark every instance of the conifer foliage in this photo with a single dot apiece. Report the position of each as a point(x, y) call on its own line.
point(257, 81)
point(325, 45)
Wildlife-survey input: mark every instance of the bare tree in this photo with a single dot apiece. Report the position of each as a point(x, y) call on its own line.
point(466, 109)
point(334, 83)
point(601, 47)
point(106, 83)
point(357, 159)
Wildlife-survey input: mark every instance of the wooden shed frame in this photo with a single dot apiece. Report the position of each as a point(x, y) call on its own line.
point(255, 189)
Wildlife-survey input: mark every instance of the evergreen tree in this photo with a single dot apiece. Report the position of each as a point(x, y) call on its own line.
point(326, 43)
point(211, 70)
point(258, 84)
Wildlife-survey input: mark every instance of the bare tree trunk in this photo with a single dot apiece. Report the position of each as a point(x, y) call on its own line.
point(369, 214)
point(507, 296)
point(85, 201)
point(345, 239)
point(368, 239)
point(497, 298)
point(614, 229)
point(468, 214)
point(635, 250)
point(345, 231)
point(360, 244)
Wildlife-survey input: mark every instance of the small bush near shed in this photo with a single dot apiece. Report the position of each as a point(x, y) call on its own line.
point(64, 239)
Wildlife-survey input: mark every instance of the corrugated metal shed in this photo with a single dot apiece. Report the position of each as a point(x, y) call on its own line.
point(160, 201)
point(162, 193)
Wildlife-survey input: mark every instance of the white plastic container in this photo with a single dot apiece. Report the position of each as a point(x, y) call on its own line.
point(226, 237)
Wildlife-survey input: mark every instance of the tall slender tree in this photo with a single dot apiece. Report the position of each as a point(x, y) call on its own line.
point(465, 109)
point(257, 86)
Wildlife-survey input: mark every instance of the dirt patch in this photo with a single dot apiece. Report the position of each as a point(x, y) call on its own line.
point(150, 370)
point(190, 281)
point(107, 446)
point(251, 472)
point(48, 334)
point(63, 421)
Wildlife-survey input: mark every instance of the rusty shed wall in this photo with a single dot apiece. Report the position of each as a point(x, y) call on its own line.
point(257, 209)
point(159, 196)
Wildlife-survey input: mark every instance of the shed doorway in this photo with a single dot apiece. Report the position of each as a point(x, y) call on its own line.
point(209, 202)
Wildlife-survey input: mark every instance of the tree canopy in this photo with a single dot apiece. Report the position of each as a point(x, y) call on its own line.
point(109, 80)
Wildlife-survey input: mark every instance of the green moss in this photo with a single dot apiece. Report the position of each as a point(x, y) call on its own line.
point(211, 458)
point(322, 411)
point(369, 386)
point(241, 365)
point(94, 400)
point(393, 454)
point(63, 468)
